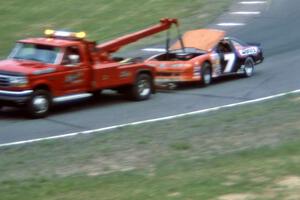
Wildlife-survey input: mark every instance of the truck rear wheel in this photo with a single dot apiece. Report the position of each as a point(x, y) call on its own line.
point(142, 88)
point(39, 104)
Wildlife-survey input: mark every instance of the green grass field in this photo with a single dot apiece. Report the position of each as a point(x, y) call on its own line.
point(243, 153)
point(101, 19)
point(247, 152)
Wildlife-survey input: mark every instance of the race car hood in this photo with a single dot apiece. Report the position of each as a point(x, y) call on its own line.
point(21, 67)
point(204, 39)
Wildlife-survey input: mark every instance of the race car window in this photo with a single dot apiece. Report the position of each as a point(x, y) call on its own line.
point(224, 47)
point(236, 44)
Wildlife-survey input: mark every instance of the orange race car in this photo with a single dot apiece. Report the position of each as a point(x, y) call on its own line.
point(204, 54)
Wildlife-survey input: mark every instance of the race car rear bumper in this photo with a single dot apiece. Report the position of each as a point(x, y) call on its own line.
point(260, 58)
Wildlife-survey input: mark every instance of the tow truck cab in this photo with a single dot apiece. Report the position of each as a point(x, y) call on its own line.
point(38, 70)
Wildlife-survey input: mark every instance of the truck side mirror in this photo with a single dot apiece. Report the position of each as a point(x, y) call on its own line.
point(74, 59)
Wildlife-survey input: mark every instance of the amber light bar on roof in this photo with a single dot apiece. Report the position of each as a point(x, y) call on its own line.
point(65, 34)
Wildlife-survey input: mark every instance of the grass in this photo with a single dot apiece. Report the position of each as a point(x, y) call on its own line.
point(248, 152)
point(102, 19)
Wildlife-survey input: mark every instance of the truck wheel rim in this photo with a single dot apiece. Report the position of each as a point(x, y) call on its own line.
point(40, 104)
point(144, 87)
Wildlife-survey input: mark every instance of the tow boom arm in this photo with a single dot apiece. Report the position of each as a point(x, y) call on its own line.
point(115, 45)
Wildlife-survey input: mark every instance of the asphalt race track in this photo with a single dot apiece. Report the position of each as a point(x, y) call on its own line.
point(277, 28)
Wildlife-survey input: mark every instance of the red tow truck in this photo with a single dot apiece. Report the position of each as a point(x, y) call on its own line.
point(40, 70)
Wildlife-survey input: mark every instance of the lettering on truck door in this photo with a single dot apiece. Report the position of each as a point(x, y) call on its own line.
point(76, 72)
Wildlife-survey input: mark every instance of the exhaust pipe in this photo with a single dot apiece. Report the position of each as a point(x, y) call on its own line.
point(166, 86)
point(172, 86)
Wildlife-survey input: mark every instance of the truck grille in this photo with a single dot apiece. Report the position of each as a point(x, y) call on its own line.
point(4, 80)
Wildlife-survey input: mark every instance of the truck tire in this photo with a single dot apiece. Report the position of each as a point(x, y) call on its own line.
point(39, 104)
point(206, 74)
point(142, 88)
point(248, 67)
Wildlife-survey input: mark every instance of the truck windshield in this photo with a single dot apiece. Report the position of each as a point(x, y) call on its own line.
point(35, 52)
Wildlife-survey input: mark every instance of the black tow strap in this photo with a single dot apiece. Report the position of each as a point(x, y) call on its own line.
point(180, 39)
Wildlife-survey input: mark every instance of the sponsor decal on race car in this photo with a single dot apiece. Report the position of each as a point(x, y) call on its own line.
point(248, 51)
point(230, 58)
point(162, 65)
point(197, 71)
point(181, 65)
point(216, 64)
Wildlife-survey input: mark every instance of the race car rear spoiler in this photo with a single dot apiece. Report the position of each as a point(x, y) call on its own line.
point(254, 44)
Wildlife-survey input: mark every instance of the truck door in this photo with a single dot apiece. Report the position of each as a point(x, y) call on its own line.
point(75, 71)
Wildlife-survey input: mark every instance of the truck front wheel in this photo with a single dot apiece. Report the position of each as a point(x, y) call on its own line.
point(142, 88)
point(39, 104)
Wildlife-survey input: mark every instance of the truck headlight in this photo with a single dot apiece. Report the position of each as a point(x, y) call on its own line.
point(18, 81)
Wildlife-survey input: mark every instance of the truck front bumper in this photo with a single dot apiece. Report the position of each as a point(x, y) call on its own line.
point(14, 97)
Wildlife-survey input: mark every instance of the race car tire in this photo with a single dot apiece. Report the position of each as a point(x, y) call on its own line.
point(248, 67)
point(142, 88)
point(206, 74)
point(39, 104)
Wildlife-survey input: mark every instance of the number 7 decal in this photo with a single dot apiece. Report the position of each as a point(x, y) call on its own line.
point(230, 58)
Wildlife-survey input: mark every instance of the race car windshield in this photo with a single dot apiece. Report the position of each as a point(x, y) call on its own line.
point(35, 52)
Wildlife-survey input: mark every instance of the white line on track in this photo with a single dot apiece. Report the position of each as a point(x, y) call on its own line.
point(252, 2)
point(246, 13)
point(231, 24)
point(150, 120)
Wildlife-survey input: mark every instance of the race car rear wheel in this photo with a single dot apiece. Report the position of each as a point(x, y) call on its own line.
point(248, 67)
point(206, 74)
point(142, 88)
